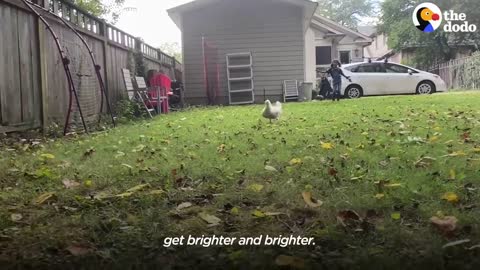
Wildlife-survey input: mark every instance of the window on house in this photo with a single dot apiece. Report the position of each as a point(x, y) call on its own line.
point(345, 57)
point(323, 55)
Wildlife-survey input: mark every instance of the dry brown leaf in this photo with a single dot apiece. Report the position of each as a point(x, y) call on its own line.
point(210, 219)
point(294, 262)
point(44, 198)
point(138, 188)
point(307, 197)
point(446, 225)
point(348, 218)
point(78, 251)
point(184, 205)
point(124, 195)
point(70, 184)
point(16, 217)
point(456, 243)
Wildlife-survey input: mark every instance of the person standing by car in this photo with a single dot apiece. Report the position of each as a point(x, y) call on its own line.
point(336, 73)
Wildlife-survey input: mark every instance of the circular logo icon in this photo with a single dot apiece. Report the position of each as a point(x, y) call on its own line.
point(427, 17)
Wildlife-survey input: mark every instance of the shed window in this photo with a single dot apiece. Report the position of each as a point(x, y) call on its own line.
point(323, 55)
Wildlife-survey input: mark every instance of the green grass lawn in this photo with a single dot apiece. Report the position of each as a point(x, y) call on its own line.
point(382, 167)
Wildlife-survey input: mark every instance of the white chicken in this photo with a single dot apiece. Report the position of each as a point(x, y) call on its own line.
point(272, 112)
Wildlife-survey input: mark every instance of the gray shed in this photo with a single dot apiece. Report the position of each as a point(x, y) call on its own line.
point(272, 31)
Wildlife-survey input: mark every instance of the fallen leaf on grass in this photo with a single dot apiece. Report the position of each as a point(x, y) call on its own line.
point(332, 171)
point(78, 251)
point(88, 183)
point(473, 247)
point(446, 225)
point(348, 217)
point(433, 139)
point(273, 214)
point(16, 217)
point(255, 187)
point(456, 243)
point(70, 184)
point(210, 219)
point(326, 146)
point(307, 197)
point(394, 185)
point(235, 211)
point(89, 152)
point(138, 188)
point(44, 198)
point(456, 154)
point(119, 154)
point(396, 216)
point(47, 156)
point(379, 196)
point(258, 214)
point(127, 166)
point(450, 197)
point(156, 192)
point(270, 168)
point(124, 195)
point(294, 262)
point(184, 205)
point(453, 174)
point(424, 162)
point(221, 148)
point(295, 161)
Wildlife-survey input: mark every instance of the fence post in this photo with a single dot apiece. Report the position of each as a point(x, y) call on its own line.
point(43, 67)
point(138, 55)
point(106, 57)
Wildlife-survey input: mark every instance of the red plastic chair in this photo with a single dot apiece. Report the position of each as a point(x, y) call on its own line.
point(161, 85)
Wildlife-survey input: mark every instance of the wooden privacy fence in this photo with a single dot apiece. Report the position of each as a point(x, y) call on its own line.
point(33, 88)
point(463, 73)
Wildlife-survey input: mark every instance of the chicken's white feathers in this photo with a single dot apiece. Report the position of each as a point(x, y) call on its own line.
point(272, 111)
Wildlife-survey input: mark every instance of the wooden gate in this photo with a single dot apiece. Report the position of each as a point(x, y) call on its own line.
point(19, 71)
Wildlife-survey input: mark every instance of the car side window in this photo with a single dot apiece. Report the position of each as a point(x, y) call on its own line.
point(366, 68)
point(392, 68)
point(369, 68)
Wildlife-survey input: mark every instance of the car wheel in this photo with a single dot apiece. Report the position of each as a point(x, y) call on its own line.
point(425, 88)
point(353, 92)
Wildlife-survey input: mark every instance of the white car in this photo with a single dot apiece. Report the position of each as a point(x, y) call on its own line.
point(383, 78)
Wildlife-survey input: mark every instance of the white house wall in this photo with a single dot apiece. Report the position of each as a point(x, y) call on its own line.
point(310, 59)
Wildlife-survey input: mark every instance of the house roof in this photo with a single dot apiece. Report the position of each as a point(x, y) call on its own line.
point(321, 22)
point(176, 12)
point(367, 30)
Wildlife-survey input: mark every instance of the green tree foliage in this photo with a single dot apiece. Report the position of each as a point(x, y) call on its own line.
point(347, 12)
point(108, 9)
point(396, 22)
point(173, 49)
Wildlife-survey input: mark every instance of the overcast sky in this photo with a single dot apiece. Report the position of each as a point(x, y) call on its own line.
point(150, 21)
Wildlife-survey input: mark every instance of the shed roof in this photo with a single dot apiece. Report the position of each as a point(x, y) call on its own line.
point(177, 12)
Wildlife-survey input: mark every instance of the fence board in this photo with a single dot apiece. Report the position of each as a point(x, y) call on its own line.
point(12, 94)
point(26, 67)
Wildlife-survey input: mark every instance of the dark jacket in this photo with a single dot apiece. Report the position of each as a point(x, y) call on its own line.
point(336, 74)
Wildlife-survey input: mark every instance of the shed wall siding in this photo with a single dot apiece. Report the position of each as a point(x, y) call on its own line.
point(272, 32)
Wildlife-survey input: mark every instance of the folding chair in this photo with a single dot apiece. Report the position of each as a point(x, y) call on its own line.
point(139, 95)
point(161, 85)
point(156, 97)
point(290, 90)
